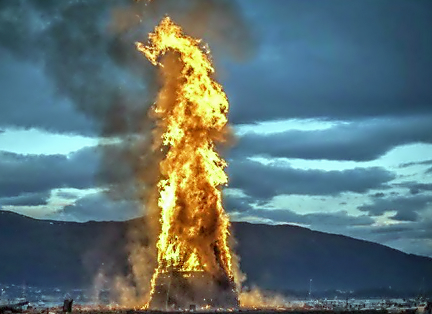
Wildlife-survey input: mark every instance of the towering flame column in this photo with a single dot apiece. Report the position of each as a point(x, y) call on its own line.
point(190, 114)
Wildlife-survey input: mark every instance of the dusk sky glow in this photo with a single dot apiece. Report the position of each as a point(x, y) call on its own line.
point(330, 101)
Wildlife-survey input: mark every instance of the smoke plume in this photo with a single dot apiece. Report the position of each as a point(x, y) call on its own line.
point(86, 47)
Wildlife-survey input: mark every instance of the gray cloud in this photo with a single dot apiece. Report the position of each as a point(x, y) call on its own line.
point(22, 174)
point(419, 230)
point(81, 55)
point(26, 199)
point(406, 215)
point(87, 53)
point(409, 164)
point(98, 207)
point(408, 207)
point(350, 61)
point(71, 41)
point(234, 203)
point(416, 187)
point(67, 195)
point(412, 237)
point(30, 100)
point(329, 220)
point(265, 181)
point(305, 46)
point(358, 141)
point(335, 60)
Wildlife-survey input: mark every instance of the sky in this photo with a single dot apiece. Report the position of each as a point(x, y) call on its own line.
point(330, 103)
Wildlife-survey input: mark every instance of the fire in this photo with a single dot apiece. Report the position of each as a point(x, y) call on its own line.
point(190, 115)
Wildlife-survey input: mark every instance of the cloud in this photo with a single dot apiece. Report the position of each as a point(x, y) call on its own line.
point(30, 100)
point(411, 237)
point(408, 236)
point(82, 54)
point(98, 207)
point(361, 140)
point(314, 220)
point(409, 164)
point(335, 61)
point(72, 67)
point(418, 230)
point(405, 215)
point(307, 65)
point(66, 66)
point(26, 199)
point(26, 175)
point(86, 63)
point(408, 207)
point(262, 182)
point(67, 195)
point(416, 187)
point(236, 203)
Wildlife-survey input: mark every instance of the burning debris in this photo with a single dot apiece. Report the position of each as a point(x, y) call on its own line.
point(195, 263)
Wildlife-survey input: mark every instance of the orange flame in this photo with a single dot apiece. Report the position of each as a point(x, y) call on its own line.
point(191, 116)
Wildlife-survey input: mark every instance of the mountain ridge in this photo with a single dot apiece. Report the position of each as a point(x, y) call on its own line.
point(275, 257)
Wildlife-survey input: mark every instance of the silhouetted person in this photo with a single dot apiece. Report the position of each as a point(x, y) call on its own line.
point(67, 305)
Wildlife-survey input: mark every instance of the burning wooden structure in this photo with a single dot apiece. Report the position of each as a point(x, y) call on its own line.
point(195, 262)
point(193, 290)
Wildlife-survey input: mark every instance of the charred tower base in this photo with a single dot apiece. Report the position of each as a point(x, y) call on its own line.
point(178, 290)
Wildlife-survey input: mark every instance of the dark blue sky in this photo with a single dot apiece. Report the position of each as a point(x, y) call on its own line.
point(331, 102)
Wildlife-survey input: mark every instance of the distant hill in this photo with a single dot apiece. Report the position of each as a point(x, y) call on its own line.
point(284, 257)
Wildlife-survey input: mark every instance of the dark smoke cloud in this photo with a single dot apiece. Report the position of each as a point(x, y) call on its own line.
point(218, 22)
point(87, 49)
point(96, 69)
